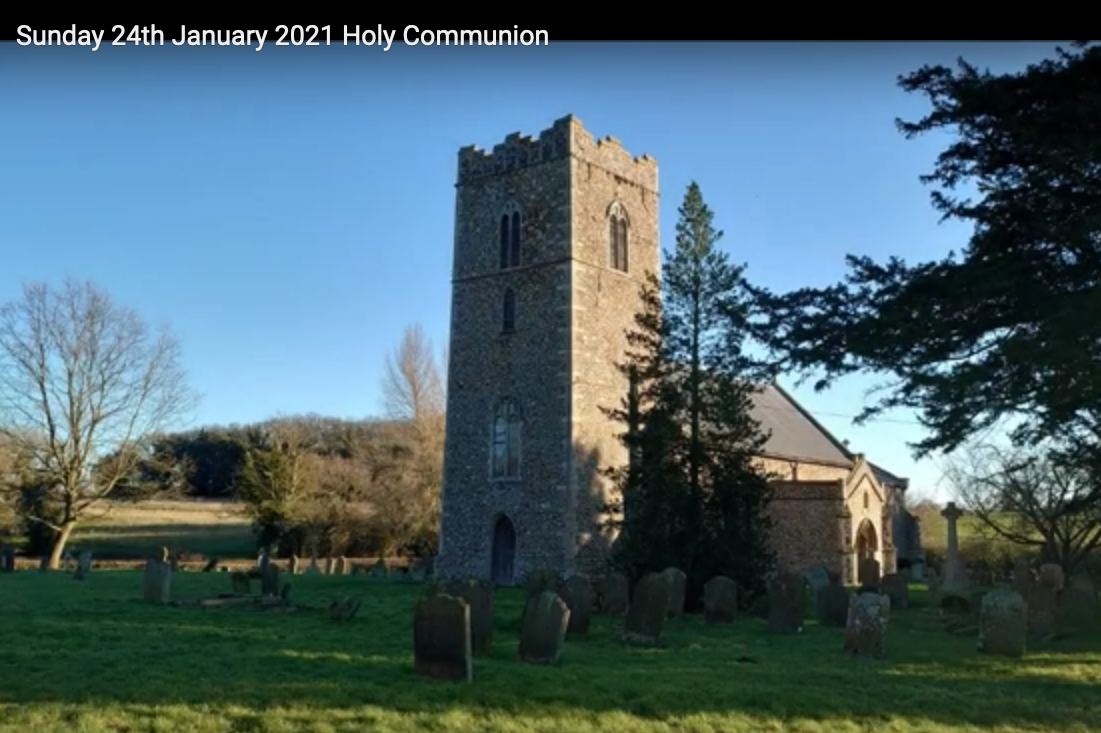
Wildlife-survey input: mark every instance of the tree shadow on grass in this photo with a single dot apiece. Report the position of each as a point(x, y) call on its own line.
point(95, 643)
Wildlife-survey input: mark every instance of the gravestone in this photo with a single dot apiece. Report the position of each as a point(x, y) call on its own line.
point(541, 580)
point(720, 600)
point(330, 565)
point(83, 566)
point(269, 581)
point(866, 628)
point(157, 582)
point(262, 560)
point(817, 577)
point(1043, 607)
point(1003, 623)
point(378, 570)
point(211, 565)
point(294, 565)
point(7, 559)
point(955, 573)
point(442, 639)
point(895, 586)
point(616, 594)
point(546, 618)
point(418, 573)
point(649, 610)
point(1051, 576)
point(343, 608)
point(478, 596)
point(678, 587)
point(342, 565)
point(831, 605)
point(240, 582)
point(786, 603)
point(577, 592)
point(868, 573)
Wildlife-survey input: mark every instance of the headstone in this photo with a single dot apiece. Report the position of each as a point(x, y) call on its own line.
point(616, 594)
point(7, 559)
point(1003, 623)
point(720, 600)
point(330, 565)
point(868, 573)
point(343, 608)
point(478, 596)
point(577, 592)
point(378, 570)
point(831, 605)
point(269, 581)
point(866, 629)
point(342, 565)
point(1043, 607)
point(418, 573)
point(1051, 575)
point(293, 565)
point(441, 638)
point(83, 566)
point(157, 582)
point(546, 618)
point(817, 577)
point(44, 565)
point(678, 587)
point(955, 574)
point(895, 586)
point(540, 580)
point(917, 569)
point(786, 603)
point(262, 559)
point(649, 610)
point(241, 583)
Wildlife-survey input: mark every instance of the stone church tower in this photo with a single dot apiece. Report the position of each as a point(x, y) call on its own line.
point(553, 237)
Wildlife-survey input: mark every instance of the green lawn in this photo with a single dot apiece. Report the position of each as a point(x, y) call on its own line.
point(90, 656)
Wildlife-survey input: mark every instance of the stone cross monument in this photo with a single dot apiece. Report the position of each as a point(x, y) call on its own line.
point(955, 574)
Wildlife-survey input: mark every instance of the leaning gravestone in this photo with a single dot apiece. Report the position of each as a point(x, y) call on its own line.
point(720, 600)
point(895, 586)
point(786, 604)
point(649, 610)
point(7, 559)
point(577, 592)
point(678, 587)
point(83, 566)
point(1003, 623)
point(616, 594)
point(546, 618)
point(269, 581)
point(866, 629)
point(157, 582)
point(441, 638)
point(831, 605)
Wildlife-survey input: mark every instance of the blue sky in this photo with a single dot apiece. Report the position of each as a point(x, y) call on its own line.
point(289, 212)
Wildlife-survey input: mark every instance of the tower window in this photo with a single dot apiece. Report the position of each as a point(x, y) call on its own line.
point(510, 240)
point(507, 430)
point(617, 237)
point(508, 314)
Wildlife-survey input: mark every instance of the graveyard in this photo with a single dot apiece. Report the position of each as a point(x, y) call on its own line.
point(95, 654)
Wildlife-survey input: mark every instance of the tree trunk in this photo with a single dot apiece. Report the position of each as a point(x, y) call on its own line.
point(59, 543)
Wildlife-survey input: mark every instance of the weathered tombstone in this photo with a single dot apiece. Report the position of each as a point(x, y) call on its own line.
point(418, 573)
point(330, 565)
point(262, 559)
point(342, 565)
point(441, 638)
point(577, 592)
point(1043, 608)
point(955, 573)
point(343, 608)
point(546, 618)
point(786, 603)
point(157, 582)
point(293, 565)
point(269, 581)
point(541, 580)
point(478, 596)
point(831, 605)
point(678, 587)
point(817, 577)
point(649, 610)
point(241, 583)
point(83, 566)
point(895, 586)
point(868, 573)
point(720, 600)
point(1051, 576)
point(1003, 623)
point(378, 570)
point(44, 565)
point(866, 628)
point(7, 559)
point(67, 560)
point(616, 594)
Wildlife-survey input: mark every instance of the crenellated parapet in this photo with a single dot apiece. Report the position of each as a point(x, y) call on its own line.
point(566, 137)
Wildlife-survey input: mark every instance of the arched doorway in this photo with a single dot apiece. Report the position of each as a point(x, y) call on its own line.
point(867, 541)
point(504, 552)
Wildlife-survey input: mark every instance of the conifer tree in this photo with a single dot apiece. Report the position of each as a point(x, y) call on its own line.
point(691, 496)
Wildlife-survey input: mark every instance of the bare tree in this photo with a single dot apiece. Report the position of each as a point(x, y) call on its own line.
point(82, 377)
point(413, 385)
point(1032, 498)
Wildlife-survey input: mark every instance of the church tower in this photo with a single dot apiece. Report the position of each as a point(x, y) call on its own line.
point(553, 237)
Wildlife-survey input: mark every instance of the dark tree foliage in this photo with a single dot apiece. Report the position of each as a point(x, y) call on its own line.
point(690, 496)
point(1010, 327)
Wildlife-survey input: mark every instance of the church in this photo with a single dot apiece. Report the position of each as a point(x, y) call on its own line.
point(553, 237)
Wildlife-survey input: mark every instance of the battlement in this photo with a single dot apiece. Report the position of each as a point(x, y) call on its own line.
point(566, 137)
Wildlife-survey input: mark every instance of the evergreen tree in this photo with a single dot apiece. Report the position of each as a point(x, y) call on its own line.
point(691, 496)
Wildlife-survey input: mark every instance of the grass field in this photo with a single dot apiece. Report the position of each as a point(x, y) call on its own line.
point(90, 656)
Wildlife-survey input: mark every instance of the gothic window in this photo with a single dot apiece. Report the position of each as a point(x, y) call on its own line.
point(508, 316)
point(510, 240)
point(507, 430)
point(617, 237)
point(865, 499)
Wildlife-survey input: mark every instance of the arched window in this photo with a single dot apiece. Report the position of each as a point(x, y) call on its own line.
point(507, 431)
point(865, 499)
point(508, 315)
point(504, 242)
point(617, 237)
point(510, 238)
point(514, 249)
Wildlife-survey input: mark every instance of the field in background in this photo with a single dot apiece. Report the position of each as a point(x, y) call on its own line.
point(212, 528)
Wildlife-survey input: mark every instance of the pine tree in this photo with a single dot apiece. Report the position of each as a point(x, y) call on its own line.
point(691, 496)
